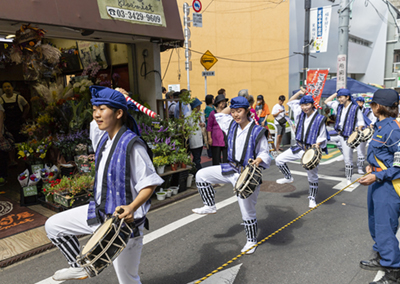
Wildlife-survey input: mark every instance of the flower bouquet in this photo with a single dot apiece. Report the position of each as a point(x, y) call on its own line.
point(23, 178)
point(34, 179)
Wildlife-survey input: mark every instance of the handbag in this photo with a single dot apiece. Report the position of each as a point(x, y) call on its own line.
point(282, 121)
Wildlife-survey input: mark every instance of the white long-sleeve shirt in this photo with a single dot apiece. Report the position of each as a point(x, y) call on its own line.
point(296, 108)
point(262, 148)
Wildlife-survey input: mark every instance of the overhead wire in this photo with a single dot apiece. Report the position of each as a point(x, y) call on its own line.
point(166, 69)
point(254, 8)
point(246, 61)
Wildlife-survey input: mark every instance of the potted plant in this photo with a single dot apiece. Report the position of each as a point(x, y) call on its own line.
point(173, 160)
point(159, 163)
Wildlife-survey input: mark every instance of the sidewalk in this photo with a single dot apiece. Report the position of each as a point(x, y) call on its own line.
point(32, 242)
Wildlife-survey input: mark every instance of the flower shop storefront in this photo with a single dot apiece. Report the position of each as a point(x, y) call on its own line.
point(60, 49)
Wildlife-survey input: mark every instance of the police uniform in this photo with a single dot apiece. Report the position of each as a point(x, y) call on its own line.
point(253, 138)
point(119, 185)
point(310, 130)
point(347, 119)
point(383, 195)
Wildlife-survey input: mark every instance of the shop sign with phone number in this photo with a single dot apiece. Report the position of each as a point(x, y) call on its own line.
point(135, 16)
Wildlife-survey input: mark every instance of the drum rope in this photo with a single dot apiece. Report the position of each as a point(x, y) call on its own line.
point(276, 232)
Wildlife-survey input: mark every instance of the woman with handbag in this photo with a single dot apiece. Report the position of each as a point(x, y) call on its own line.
point(278, 112)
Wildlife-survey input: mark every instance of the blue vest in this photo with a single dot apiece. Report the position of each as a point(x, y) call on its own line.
point(311, 133)
point(115, 188)
point(349, 121)
point(367, 111)
point(253, 137)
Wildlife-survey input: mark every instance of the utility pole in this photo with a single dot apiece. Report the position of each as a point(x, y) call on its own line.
point(344, 19)
point(186, 22)
point(307, 7)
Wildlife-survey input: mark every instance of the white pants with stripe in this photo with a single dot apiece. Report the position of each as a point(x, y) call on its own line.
point(214, 175)
point(289, 156)
point(347, 151)
point(73, 223)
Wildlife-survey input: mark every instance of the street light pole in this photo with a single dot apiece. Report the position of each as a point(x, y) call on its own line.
point(344, 19)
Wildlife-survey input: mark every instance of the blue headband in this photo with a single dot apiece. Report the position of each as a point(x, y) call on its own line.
point(106, 96)
point(306, 100)
point(343, 92)
point(240, 102)
point(360, 99)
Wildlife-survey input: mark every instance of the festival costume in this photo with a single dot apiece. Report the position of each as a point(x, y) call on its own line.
point(347, 119)
point(310, 130)
point(123, 168)
point(243, 144)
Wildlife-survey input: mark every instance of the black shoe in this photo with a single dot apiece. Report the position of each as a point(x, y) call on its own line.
point(392, 276)
point(373, 264)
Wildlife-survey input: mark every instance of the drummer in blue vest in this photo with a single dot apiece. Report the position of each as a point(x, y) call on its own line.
point(348, 118)
point(125, 177)
point(246, 140)
point(361, 149)
point(310, 131)
point(384, 187)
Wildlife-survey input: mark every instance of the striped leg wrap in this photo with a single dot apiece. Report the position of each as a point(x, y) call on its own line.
point(360, 162)
point(250, 227)
point(312, 193)
point(207, 193)
point(348, 171)
point(69, 246)
point(285, 171)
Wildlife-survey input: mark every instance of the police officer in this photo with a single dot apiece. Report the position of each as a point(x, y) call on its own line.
point(384, 187)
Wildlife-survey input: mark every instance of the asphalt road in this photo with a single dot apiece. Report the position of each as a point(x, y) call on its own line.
point(324, 246)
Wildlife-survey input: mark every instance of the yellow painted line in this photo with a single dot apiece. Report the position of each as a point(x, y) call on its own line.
point(330, 155)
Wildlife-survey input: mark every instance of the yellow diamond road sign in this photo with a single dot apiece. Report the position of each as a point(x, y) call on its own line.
point(208, 60)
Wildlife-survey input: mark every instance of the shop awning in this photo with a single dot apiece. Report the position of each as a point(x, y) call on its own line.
point(81, 20)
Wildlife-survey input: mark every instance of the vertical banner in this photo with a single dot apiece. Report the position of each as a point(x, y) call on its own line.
point(315, 84)
point(320, 19)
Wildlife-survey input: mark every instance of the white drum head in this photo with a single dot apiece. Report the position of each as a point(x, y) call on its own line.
point(308, 156)
point(352, 137)
point(242, 177)
point(95, 239)
point(366, 131)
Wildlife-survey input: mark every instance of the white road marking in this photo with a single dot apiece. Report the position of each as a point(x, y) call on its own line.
point(319, 176)
point(182, 222)
point(226, 276)
point(164, 230)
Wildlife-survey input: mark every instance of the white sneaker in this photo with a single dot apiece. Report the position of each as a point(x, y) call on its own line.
point(340, 158)
point(312, 203)
point(284, 180)
point(205, 210)
point(249, 245)
point(360, 171)
point(349, 184)
point(72, 273)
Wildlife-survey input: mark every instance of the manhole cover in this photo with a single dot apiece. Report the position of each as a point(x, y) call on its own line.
point(272, 186)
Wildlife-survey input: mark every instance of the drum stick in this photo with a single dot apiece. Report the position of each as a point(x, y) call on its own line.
point(119, 210)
